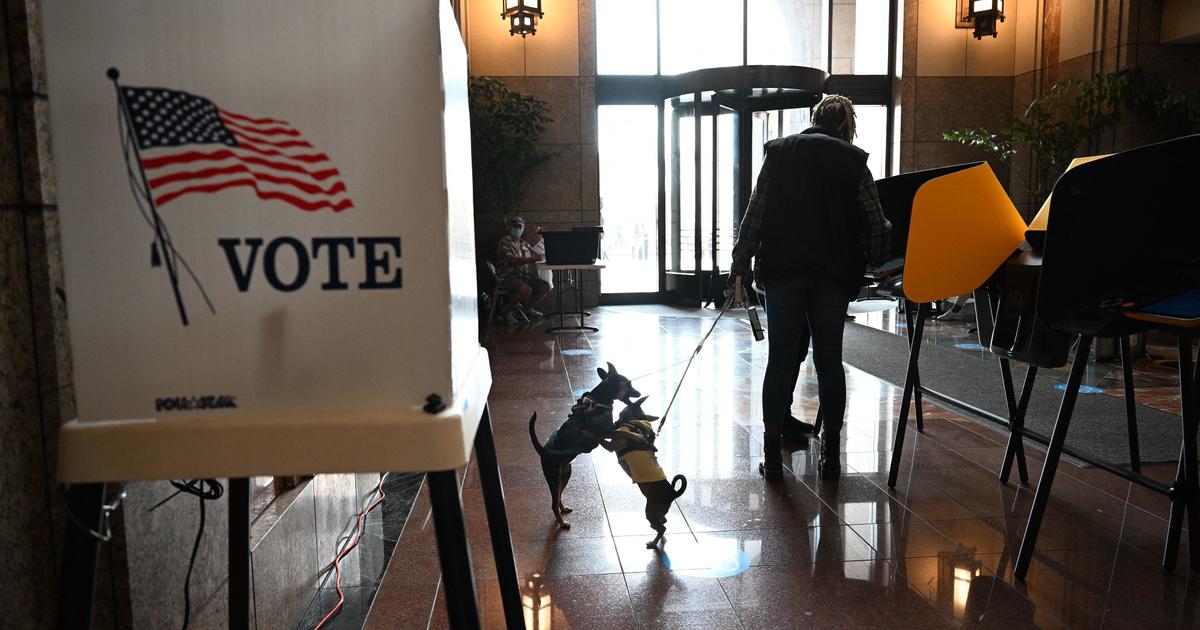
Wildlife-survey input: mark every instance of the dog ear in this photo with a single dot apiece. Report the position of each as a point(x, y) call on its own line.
point(602, 373)
point(612, 371)
point(651, 418)
point(638, 402)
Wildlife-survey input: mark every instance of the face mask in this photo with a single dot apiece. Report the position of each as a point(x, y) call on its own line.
point(516, 232)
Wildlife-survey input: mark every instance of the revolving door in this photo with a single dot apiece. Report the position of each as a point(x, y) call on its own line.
point(713, 136)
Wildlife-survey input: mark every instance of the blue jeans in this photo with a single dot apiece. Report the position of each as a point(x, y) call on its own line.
point(796, 310)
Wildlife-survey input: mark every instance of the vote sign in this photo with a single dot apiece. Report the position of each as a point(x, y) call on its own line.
point(265, 207)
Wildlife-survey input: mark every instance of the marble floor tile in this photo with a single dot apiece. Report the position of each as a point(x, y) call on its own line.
point(564, 557)
point(626, 508)
point(675, 601)
point(935, 551)
point(791, 547)
point(864, 594)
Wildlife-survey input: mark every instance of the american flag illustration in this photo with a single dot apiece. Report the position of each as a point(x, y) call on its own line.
point(189, 145)
point(176, 144)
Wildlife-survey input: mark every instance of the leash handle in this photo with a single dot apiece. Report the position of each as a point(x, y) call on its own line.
point(728, 303)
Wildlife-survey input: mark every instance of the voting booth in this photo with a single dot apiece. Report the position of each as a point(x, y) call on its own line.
point(268, 250)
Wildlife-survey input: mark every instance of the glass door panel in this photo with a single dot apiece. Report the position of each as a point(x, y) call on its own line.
point(724, 168)
point(686, 176)
point(629, 197)
point(700, 193)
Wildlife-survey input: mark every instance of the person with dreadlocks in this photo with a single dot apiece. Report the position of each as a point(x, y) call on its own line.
point(812, 226)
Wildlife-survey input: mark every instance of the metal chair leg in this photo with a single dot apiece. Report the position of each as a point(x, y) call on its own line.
point(1191, 475)
point(1175, 521)
point(920, 404)
point(914, 354)
point(1057, 439)
point(1135, 457)
point(492, 311)
point(918, 401)
point(1016, 445)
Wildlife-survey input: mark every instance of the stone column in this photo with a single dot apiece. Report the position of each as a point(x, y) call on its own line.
point(36, 393)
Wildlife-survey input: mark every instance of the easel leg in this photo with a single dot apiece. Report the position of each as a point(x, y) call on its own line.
point(1135, 457)
point(1057, 439)
point(497, 515)
point(458, 582)
point(80, 552)
point(239, 553)
point(914, 354)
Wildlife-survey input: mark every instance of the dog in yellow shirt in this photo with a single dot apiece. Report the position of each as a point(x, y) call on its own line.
point(632, 440)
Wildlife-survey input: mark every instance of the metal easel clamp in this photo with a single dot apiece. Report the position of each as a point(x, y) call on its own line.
point(106, 512)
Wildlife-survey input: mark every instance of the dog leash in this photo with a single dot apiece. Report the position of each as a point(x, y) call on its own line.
point(724, 309)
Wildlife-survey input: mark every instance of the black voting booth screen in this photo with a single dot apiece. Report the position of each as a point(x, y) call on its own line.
point(1124, 231)
point(896, 195)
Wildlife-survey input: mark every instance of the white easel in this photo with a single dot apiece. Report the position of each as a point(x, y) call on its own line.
point(329, 375)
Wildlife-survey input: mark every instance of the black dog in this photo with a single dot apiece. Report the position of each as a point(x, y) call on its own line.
point(633, 442)
point(590, 420)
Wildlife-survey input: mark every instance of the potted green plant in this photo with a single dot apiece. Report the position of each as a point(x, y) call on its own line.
point(505, 129)
point(1070, 119)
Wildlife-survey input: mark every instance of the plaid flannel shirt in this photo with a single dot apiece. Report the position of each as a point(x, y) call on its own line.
point(510, 247)
point(876, 236)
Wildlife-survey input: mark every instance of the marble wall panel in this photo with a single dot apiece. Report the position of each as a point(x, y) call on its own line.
point(590, 174)
point(158, 545)
point(554, 50)
point(588, 116)
point(10, 185)
point(908, 58)
point(935, 154)
point(5, 84)
point(335, 499)
point(587, 38)
point(285, 563)
point(945, 103)
point(25, 479)
point(558, 186)
point(492, 51)
point(562, 98)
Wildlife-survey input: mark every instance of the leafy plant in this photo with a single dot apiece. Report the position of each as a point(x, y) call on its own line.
point(505, 128)
point(1073, 115)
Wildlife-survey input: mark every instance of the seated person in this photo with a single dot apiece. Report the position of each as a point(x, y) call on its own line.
point(517, 273)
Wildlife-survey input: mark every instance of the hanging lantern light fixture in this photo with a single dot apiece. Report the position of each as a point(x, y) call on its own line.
point(985, 14)
point(522, 15)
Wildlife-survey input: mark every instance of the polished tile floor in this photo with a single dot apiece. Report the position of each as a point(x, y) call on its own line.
point(937, 551)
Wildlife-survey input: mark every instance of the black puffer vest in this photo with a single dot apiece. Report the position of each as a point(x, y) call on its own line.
point(813, 225)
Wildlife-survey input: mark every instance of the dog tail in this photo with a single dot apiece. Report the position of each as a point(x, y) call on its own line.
point(537, 444)
point(681, 481)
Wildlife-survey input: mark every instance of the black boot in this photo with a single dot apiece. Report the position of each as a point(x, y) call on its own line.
point(829, 460)
point(771, 468)
point(796, 432)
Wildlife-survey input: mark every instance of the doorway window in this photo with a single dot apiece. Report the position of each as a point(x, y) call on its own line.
point(697, 34)
point(626, 44)
point(629, 197)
